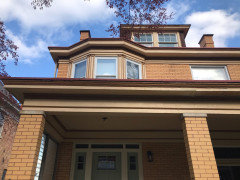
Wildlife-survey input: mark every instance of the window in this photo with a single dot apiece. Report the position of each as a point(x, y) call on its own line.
point(167, 40)
point(106, 68)
point(133, 70)
point(1, 123)
point(79, 69)
point(209, 73)
point(144, 39)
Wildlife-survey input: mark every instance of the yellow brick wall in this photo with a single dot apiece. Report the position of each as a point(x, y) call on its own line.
point(200, 154)
point(26, 146)
point(62, 70)
point(168, 71)
point(169, 161)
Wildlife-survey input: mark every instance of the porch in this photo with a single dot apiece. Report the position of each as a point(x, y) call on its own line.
point(171, 132)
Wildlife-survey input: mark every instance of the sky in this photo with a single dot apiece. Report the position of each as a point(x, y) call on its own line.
point(34, 30)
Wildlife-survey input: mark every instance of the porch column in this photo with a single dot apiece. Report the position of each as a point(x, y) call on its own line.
point(200, 154)
point(26, 146)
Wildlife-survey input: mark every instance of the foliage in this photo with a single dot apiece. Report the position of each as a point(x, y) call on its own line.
point(7, 48)
point(132, 12)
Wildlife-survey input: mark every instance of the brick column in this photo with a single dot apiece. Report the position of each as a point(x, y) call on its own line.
point(26, 146)
point(200, 155)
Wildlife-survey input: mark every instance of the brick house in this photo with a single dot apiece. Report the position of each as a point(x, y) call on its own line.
point(146, 107)
point(9, 117)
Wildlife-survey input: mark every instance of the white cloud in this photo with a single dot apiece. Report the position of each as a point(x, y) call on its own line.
point(61, 13)
point(178, 9)
point(28, 52)
point(218, 22)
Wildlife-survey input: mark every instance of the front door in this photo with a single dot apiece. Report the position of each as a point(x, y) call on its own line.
point(106, 166)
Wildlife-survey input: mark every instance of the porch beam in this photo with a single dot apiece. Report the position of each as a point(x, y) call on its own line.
point(201, 160)
point(26, 146)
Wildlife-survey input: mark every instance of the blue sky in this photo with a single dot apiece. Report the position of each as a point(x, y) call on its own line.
point(34, 30)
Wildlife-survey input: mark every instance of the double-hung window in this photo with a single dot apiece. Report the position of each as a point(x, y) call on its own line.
point(144, 39)
point(106, 68)
point(79, 69)
point(133, 70)
point(209, 73)
point(167, 40)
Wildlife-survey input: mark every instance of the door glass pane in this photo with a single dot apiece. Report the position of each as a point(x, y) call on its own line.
point(133, 173)
point(80, 163)
point(209, 73)
point(106, 67)
point(80, 70)
point(106, 162)
point(132, 70)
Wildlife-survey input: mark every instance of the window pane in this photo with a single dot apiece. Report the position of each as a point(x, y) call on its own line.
point(106, 67)
point(167, 38)
point(167, 45)
point(209, 73)
point(80, 70)
point(147, 44)
point(143, 38)
point(132, 70)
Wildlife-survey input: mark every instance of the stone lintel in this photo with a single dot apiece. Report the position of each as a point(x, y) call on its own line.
point(22, 112)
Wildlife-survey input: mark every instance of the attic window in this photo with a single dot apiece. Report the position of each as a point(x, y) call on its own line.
point(167, 40)
point(209, 73)
point(144, 39)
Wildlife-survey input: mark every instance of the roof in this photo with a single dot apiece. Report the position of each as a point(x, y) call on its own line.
point(149, 52)
point(20, 87)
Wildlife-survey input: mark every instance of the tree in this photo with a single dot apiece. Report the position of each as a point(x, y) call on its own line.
point(7, 48)
point(130, 12)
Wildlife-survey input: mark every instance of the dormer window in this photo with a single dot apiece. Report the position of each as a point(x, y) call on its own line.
point(133, 70)
point(79, 69)
point(144, 39)
point(167, 40)
point(106, 68)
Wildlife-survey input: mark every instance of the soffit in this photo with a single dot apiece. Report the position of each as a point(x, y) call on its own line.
point(147, 52)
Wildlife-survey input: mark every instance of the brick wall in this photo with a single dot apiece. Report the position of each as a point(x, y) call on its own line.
point(168, 71)
point(6, 140)
point(62, 71)
point(170, 161)
point(234, 71)
point(64, 159)
point(26, 146)
point(200, 154)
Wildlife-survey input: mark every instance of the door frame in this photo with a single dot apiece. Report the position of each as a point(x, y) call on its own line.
point(89, 154)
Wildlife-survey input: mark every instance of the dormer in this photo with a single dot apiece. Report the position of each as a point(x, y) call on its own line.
point(156, 35)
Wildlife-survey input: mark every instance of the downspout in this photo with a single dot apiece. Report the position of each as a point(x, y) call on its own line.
point(56, 66)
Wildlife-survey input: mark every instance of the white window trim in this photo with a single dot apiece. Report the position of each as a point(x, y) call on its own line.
point(73, 67)
point(102, 57)
point(176, 34)
point(140, 68)
point(211, 66)
point(144, 42)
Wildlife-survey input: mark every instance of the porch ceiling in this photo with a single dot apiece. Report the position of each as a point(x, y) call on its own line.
point(117, 121)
